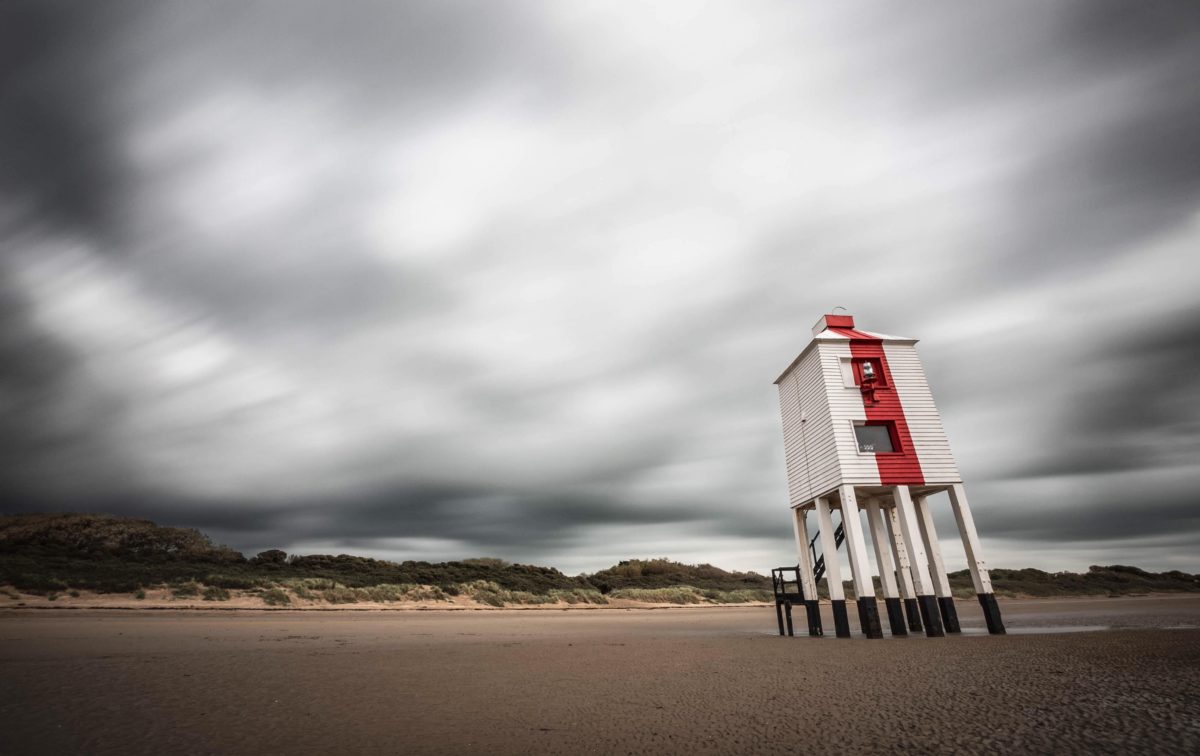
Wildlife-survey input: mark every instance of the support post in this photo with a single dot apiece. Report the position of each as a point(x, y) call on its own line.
point(808, 583)
point(887, 577)
point(937, 568)
point(930, 614)
point(833, 570)
point(860, 567)
point(975, 563)
point(903, 571)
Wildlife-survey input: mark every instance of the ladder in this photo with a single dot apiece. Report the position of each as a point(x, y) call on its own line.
point(839, 535)
point(789, 591)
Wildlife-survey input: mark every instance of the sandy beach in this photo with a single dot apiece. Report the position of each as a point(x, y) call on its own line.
point(1074, 675)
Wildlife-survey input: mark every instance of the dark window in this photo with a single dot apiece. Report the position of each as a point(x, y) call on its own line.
point(875, 437)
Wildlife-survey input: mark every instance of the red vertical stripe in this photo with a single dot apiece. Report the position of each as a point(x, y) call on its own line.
point(900, 468)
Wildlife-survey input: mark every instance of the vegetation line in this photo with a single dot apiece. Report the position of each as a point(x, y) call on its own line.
point(56, 555)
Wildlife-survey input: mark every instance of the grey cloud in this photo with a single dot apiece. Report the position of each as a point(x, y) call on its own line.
point(1134, 405)
point(507, 277)
point(52, 119)
point(50, 432)
point(479, 520)
point(1101, 520)
point(1131, 167)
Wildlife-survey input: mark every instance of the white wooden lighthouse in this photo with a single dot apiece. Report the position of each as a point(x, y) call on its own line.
point(861, 433)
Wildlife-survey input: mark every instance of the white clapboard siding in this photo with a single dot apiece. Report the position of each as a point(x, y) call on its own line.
point(793, 440)
point(823, 467)
point(845, 408)
point(812, 459)
point(924, 422)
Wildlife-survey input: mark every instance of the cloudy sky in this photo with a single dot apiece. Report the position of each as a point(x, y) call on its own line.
point(449, 279)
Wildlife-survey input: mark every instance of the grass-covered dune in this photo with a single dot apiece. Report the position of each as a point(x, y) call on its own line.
point(56, 554)
point(1113, 580)
point(664, 581)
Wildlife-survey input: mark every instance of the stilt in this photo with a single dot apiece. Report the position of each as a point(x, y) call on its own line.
point(860, 568)
point(979, 574)
point(833, 570)
point(937, 568)
point(813, 610)
point(887, 578)
point(808, 583)
point(930, 613)
point(903, 573)
point(991, 614)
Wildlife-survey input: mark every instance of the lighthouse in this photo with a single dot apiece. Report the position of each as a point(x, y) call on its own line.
point(862, 434)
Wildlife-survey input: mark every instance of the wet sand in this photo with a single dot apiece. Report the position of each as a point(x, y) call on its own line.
point(699, 680)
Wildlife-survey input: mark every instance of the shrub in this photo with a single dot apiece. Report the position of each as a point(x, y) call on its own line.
point(237, 582)
point(312, 583)
point(340, 594)
point(425, 593)
point(743, 596)
point(525, 597)
point(490, 563)
point(684, 594)
point(270, 556)
point(489, 597)
point(73, 594)
point(186, 590)
point(578, 596)
point(383, 593)
point(52, 596)
point(216, 593)
point(663, 573)
point(35, 583)
point(275, 597)
point(141, 594)
point(93, 535)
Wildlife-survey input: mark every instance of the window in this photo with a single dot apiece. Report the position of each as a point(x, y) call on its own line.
point(875, 437)
point(849, 380)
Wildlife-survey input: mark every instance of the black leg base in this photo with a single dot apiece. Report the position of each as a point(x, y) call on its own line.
point(813, 609)
point(949, 614)
point(787, 611)
point(895, 616)
point(841, 621)
point(913, 612)
point(868, 617)
point(779, 616)
point(991, 614)
point(931, 617)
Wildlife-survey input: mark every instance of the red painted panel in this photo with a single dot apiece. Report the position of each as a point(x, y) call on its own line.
point(856, 335)
point(839, 321)
point(898, 468)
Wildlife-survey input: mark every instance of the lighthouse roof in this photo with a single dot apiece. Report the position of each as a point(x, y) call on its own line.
point(840, 328)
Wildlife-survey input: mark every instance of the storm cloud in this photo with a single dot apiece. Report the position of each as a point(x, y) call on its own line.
point(450, 279)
